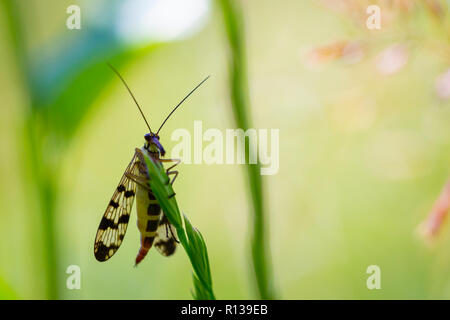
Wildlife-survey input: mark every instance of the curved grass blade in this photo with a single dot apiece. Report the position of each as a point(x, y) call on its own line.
point(190, 237)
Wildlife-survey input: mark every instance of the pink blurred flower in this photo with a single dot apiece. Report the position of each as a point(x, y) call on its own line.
point(349, 52)
point(433, 223)
point(443, 85)
point(392, 59)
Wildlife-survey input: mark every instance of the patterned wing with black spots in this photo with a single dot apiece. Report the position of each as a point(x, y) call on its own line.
point(165, 240)
point(113, 225)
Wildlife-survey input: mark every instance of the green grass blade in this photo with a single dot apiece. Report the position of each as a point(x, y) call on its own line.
point(190, 237)
point(240, 105)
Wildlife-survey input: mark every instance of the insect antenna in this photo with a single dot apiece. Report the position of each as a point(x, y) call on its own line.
point(137, 104)
point(179, 104)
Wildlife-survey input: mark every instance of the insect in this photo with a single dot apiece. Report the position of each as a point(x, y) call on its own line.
point(153, 225)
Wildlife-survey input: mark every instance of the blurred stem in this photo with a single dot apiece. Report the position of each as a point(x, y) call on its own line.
point(44, 179)
point(42, 175)
point(13, 22)
point(240, 104)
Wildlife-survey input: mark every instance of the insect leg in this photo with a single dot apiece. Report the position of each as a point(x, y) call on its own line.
point(174, 177)
point(169, 228)
point(173, 236)
point(139, 180)
point(171, 182)
point(177, 161)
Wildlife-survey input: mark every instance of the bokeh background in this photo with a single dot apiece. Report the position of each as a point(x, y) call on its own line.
point(364, 144)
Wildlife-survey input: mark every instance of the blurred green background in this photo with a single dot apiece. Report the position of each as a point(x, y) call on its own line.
point(363, 155)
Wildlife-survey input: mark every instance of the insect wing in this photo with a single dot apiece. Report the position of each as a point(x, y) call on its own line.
point(165, 240)
point(113, 225)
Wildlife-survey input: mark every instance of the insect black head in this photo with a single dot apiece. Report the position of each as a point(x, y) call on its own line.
point(153, 143)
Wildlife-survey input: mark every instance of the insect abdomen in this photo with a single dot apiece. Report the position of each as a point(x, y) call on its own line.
point(148, 211)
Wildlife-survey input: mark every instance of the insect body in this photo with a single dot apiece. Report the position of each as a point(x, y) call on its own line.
point(153, 225)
